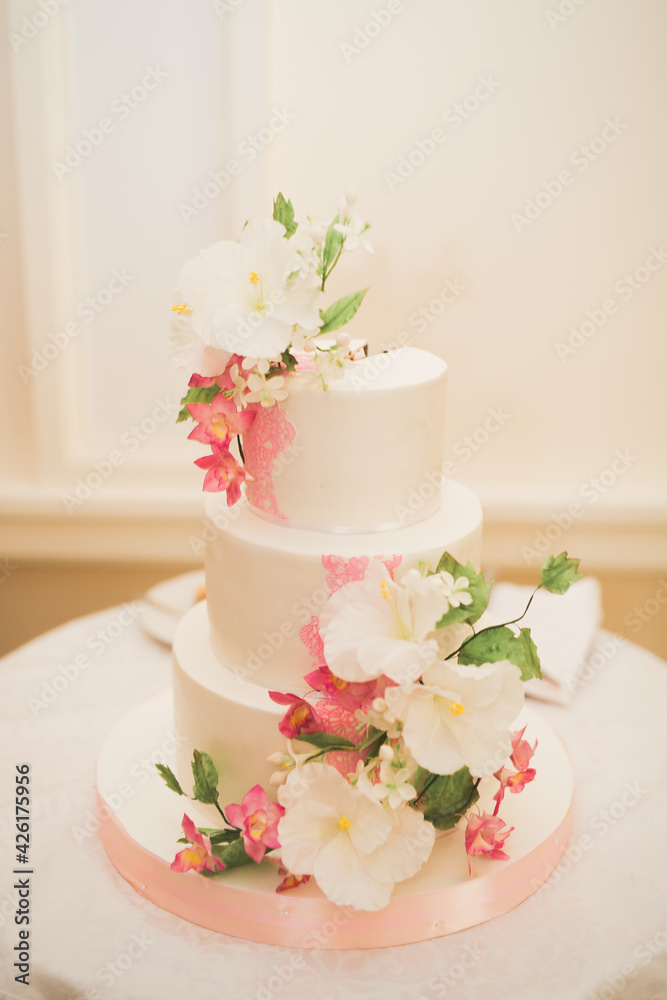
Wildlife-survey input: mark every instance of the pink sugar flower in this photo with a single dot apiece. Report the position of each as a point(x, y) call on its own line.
point(197, 856)
point(515, 781)
point(258, 819)
point(522, 751)
point(484, 835)
point(218, 422)
point(290, 880)
point(224, 380)
point(300, 717)
point(349, 694)
point(223, 472)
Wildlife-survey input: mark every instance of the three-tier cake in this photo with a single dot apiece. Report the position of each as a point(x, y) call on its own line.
point(342, 719)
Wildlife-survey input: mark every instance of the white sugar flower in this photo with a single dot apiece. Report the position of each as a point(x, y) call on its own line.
point(188, 351)
point(352, 228)
point(347, 201)
point(456, 591)
point(302, 343)
point(394, 785)
point(266, 391)
point(261, 365)
point(238, 393)
point(331, 365)
point(380, 717)
point(312, 231)
point(460, 715)
point(377, 626)
point(246, 297)
point(355, 849)
point(286, 762)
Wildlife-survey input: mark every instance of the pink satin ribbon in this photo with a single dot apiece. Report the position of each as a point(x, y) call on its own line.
point(296, 921)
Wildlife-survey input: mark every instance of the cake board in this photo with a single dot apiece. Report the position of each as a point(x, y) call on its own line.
point(140, 822)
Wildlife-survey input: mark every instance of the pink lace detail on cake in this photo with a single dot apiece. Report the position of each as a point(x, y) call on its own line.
point(341, 571)
point(312, 640)
point(341, 723)
point(392, 563)
point(336, 719)
point(269, 436)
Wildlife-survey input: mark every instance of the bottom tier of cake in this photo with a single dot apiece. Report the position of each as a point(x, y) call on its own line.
point(231, 719)
point(140, 836)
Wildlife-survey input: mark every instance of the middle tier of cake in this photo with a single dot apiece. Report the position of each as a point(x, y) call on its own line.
point(265, 581)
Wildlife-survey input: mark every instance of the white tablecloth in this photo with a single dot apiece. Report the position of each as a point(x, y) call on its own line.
point(599, 928)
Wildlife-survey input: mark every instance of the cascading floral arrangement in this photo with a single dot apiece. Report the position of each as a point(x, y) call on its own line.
point(249, 317)
point(420, 718)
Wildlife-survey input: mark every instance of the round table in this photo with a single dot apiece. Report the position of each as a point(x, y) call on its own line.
point(596, 929)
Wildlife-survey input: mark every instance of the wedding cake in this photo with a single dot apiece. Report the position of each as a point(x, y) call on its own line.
point(336, 708)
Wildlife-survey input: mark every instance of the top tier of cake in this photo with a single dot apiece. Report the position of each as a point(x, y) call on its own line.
point(364, 455)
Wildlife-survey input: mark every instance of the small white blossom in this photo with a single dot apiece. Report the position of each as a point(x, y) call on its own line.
point(352, 228)
point(394, 785)
point(266, 391)
point(261, 365)
point(331, 365)
point(347, 201)
point(302, 343)
point(237, 394)
point(456, 591)
point(381, 717)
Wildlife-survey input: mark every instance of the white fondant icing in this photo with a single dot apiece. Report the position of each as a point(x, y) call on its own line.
point(364, 449)
point(265, 581)
point(232, 720)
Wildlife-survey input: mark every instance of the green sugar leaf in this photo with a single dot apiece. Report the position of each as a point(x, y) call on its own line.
point(341, 311)
point(559, 573)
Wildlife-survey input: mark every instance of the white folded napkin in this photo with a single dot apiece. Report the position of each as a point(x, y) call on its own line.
point(563, 628)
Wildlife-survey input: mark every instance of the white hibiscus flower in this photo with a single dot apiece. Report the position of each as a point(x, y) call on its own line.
point(188, 351)
point(246, 297)
point(377, 626)
point(460, 716)
point(356, 849)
